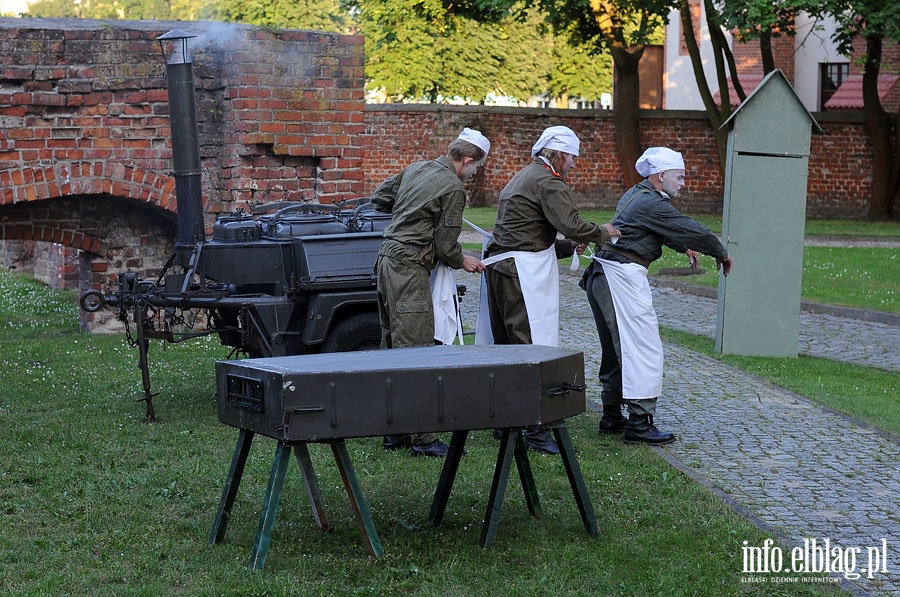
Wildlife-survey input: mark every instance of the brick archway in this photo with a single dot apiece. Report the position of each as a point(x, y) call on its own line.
point(28, 212)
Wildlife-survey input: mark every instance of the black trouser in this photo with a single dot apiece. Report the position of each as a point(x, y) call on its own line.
point(610, 375)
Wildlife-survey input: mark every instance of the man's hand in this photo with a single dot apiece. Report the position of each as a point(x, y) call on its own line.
point(613, 231)
point(472, 264)
point(693, 258)
point(725, 265)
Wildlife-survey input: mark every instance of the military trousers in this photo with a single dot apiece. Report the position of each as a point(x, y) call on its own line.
point(610, 375)
point(405, 309)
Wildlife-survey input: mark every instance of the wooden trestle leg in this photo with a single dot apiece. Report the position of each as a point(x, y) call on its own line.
point(357, 499)
point(301, 451)
point(528, 486)
point(498, 487)
point(270, 506)
point(448, 475)
point(238, 460)
point(576, 481)
point(512, 446)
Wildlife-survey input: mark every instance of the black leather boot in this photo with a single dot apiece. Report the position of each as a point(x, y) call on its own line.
point(640, 430)
point(541, 440)
point(395, 442)
point(437, 448)
point(612, 420)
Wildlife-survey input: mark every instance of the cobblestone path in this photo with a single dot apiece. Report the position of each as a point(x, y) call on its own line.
point(793, 467)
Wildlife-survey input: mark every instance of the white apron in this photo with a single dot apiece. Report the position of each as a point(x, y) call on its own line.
point(539, 279)
point(642, 352)
point(447, 324)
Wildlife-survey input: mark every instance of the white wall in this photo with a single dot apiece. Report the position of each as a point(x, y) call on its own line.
point(14, 7)
point(680, 85)
point(812, 46)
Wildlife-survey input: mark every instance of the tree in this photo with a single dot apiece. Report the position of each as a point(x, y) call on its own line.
point(747, 20)
point(436, 50)
point(624, 28)
point(526, 70)
point(725, 66)
point(762, 20)
point(417, 50)
point(871, 23)
point(112, 9)
point(317, 15)
point(577, 71)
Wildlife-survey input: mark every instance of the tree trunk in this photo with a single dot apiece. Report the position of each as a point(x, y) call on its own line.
point(724, 62)
point(879, 125)
point(717, 114)
point(765, 48)
point(895, 170)
point(627, 111)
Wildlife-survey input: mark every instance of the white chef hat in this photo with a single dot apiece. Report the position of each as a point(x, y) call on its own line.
point(561, 138)
point(475, 138)
point(658, 159)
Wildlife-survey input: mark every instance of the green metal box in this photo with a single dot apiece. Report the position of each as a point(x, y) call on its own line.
point(402, 390)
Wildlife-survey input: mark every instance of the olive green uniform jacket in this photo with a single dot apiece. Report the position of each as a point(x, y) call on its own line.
point(427, 201)
point(534, 206)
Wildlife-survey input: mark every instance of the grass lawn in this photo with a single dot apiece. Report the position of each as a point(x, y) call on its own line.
point(96, 502)
point(861, 277)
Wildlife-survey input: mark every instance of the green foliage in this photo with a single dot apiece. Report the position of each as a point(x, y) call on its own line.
point(578, 71)
point(400, 48)
point(751, 17)
point(54, 9)
point(527, 65)
point(112, 9)
point(317, 15)
point(423, 51)
point(869, 18)
point(618, 23)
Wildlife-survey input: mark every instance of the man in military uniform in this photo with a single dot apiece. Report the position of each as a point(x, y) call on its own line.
point(522, 274)
point(631, 364)
point(427, 201)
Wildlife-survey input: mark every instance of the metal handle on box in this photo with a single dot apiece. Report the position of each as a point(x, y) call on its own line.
point(565, 388)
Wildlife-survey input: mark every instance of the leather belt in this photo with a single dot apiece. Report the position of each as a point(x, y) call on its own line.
point(627, 254)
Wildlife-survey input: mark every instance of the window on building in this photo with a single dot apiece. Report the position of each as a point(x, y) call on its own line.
point(831, 75)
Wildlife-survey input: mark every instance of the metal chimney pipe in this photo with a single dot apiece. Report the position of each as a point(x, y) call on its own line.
point(186, 159)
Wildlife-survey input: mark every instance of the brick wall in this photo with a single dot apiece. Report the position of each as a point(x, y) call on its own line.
point(293, 111)
point(748, 59)
point(85, 116)
point(396, 135)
